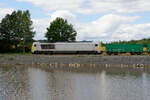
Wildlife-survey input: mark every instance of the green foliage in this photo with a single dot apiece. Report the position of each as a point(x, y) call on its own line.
point(142, 41)
point(60, 31)
point(16, 30)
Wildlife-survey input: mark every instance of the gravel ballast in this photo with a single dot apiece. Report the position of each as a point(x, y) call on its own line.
point(75, 59)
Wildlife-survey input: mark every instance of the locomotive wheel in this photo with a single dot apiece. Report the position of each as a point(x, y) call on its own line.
point(116, 53)
point(132, 53)
point(109, 53)
point(138, 53)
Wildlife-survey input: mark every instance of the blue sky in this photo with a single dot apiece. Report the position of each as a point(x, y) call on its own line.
point(97, 20)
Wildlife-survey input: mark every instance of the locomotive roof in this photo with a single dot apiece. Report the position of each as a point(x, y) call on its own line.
point(67, 42)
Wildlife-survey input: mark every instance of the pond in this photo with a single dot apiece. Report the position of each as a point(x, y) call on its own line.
point(31, 83)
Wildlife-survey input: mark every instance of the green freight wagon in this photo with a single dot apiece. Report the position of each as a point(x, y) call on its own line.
point(124, 48)
point(148, 48)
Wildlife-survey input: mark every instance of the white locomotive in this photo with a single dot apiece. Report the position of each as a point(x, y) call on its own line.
point(66, 47)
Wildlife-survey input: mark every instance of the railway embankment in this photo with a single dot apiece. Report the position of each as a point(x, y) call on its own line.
point(76, 60)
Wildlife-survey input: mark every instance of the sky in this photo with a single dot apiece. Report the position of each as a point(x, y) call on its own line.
point(94, 20)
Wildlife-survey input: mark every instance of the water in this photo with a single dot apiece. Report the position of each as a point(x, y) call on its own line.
point(28, 83)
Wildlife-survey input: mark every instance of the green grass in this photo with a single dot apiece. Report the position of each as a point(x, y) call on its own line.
point(11, 53)
point(104, 59)
point(1, 56)
point(10, 58)
point(79, 56)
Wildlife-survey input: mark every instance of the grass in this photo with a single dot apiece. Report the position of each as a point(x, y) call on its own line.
point(1, 56)
point(104, 59)
point(11, 53)
point(10, 58)
point(79, 56)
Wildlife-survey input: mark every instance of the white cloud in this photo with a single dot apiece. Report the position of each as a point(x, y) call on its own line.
point(93, 6)
point(120, 6)
point(56, 4)
point(4, 11)
point(105, 26)
point(40, 26)
point(129, 32)
point(63, 14)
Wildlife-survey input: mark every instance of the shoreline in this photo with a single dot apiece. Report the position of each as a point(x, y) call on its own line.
point(76, 60)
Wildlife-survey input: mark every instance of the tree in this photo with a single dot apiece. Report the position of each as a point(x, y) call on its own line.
point(60, 31)
point(16, 29)
point(6, 33)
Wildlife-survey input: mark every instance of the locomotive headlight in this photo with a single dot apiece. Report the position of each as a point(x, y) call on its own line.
point(32, 48)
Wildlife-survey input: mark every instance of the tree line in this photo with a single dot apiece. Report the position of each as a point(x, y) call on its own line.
point(144, 41)
point(17, 32)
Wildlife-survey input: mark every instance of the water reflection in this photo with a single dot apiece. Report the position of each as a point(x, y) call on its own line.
point(28, 83)
point(13, 84)
point(38, 84)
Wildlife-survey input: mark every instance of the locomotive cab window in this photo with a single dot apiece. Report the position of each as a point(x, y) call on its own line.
point(96, 45)
point(34, 45)
point(48, 46)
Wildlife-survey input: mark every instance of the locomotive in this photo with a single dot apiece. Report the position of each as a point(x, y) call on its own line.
point(66, 47)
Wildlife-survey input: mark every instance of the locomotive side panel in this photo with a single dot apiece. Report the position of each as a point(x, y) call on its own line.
point(75, 47)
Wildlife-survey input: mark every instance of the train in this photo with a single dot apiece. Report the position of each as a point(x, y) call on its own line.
point(66, 48)
point(88, 48)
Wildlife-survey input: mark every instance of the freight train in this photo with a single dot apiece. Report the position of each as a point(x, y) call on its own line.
point(127, 48)
point(124, 48)
point(88, 48)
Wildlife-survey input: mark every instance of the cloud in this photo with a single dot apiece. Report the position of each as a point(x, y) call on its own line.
point(40, 26)
point(129, 32)
point(93, 6)
point(117, 6)
point(63, 14)
point(56, 4)
point(4, 11)
point(104, 27)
